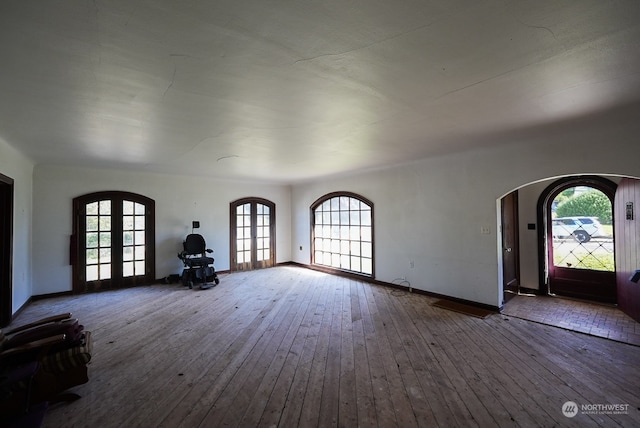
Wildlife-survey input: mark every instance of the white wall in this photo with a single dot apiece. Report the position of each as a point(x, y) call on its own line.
point(179, 200)
point(528, 239)
point(431, 211)
point(14, 165)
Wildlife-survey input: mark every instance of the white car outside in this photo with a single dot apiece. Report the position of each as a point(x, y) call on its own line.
point(582, 229)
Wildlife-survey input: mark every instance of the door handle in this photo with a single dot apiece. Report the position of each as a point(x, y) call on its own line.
point(508, 249)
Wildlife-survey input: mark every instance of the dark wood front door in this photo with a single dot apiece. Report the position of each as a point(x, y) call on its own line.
point(579, 238)
point(628, 245)
point(510, 253)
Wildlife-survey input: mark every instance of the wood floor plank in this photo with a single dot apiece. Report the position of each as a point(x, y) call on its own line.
point(428, 384)
point(287, 347)
point(384, 409)
point(550, 391)
point(292, 409)
point(409, 404)
point(365, 402)
point(219, 374)
point(283, 382)
point(276, 370)
point(246, 378)
point(330, 398)
point(432, 385)
point(448, 408)
point(312, 401)
point(556, 351)
point(506, 390)
point(506, 370)
point(446, 354)
point(347, 388)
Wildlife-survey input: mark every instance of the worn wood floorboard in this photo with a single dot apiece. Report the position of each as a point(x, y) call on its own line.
point(398, 394)
point(286, 347)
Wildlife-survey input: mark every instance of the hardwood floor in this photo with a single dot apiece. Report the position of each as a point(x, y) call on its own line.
point(577, 315)
point(292, 347)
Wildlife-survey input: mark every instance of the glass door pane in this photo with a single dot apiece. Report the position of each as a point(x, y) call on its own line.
point(262, 233)
point(98, 240)
point(243, 233)
point(133, 239)
point(582, 230)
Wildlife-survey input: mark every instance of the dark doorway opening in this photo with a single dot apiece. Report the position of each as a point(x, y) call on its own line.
point(6, 250)
point(510, 246)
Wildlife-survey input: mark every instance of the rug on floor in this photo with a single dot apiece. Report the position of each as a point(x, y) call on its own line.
point(473, 311)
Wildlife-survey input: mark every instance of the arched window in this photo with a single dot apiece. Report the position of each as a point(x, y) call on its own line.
point(342, 233)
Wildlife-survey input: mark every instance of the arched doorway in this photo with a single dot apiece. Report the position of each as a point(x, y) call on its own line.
point(577, 238)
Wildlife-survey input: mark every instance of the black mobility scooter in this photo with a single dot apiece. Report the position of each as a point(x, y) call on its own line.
point(198, 267)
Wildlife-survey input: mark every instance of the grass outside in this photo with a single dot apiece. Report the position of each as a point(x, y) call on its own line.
point(581, 258)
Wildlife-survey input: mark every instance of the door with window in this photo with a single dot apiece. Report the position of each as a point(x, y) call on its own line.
point(579, 238)
point(252, 234)
point(113, 241)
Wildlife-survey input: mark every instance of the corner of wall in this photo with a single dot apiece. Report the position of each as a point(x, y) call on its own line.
point(19, 168)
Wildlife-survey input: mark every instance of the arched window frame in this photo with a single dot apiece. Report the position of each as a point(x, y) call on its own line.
point(362, 252)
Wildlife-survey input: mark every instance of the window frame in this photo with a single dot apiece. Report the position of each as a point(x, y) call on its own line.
point(333, 269)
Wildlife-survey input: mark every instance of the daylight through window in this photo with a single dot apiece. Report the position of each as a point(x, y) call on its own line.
point(343, 233)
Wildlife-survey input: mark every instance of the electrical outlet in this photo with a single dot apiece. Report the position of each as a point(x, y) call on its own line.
point(411, 264)
point(485, 230)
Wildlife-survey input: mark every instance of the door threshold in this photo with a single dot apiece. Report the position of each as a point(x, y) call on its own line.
point(577, 299)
